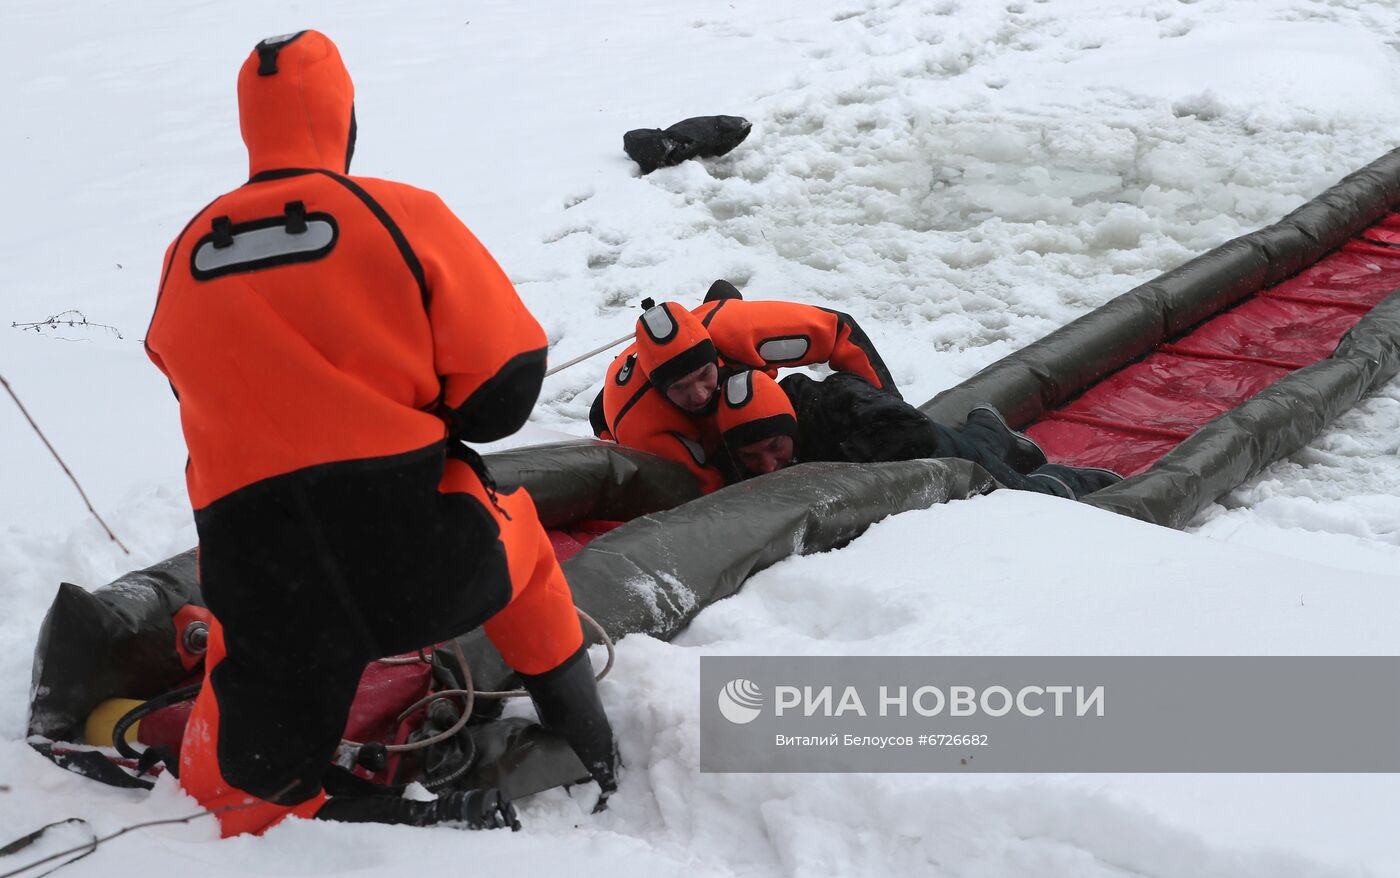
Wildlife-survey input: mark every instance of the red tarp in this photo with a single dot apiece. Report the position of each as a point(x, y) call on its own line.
point(1276, 332)
point(1357, 276)
point(1085, 445)
point(1128, 420)
point(569, 539)
point(1166, 393)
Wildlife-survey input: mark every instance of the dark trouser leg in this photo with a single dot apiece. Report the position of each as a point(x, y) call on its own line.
point(987, 450)
point(260, 737)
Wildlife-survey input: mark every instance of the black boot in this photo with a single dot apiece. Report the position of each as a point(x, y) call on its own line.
point(1080, 481)
point(1021, 452)
point(478, 809)
point(567, 702)
point(1045, 483)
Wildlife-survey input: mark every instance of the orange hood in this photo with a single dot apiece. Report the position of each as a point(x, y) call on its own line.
point(754, 407)
point(296, 104)
point(672, 343)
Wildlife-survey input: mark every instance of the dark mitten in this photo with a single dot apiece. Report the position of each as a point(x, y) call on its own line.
point(700, 136)
point(476, 809)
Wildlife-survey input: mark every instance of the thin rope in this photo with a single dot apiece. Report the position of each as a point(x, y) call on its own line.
point(468, 693)
point(66, 470)
point(90, 846)
point(593, 353)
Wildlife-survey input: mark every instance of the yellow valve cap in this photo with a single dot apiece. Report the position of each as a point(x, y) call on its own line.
point(103, 721)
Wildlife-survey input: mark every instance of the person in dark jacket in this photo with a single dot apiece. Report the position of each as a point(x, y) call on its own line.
point(333, 341)
point(766, 425)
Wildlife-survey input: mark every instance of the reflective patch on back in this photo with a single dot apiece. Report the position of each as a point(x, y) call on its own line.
point(697, 451)
point(784, 349)
point(659, 324)
point(738, 390)
point(263, 243)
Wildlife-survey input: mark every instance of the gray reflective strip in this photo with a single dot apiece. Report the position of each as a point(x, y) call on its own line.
point(736, 389)
point(697, 451)
point(783, 350)
point(281, 38)
point(659, 323)
point(263, 244)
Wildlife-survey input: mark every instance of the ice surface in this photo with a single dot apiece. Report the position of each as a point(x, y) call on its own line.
point(961, 176)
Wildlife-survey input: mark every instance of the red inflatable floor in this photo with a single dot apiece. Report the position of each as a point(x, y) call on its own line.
point(1139, 413)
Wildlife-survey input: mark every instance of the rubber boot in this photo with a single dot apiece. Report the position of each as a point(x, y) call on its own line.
point(477, 809)
point(1022, 453)
point(1081, 481)
point(1046, 483)
point(567, 702)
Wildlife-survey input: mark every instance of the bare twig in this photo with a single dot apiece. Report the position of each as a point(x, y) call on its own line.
point(88, 847)
point(71, 318)
point(66, 470)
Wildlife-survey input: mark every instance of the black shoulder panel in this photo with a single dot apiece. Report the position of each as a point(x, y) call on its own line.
point(500, 406)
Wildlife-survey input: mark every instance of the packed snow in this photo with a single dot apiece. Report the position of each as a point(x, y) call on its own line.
point(963, 177)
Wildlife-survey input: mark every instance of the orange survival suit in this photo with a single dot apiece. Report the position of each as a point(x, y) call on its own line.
point(633, 409)
point(330, 340)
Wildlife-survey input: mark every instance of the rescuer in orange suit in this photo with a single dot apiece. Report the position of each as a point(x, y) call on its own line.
point(332, 340)
point(659, 395)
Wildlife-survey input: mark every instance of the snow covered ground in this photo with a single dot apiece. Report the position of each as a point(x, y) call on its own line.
point(961, 176)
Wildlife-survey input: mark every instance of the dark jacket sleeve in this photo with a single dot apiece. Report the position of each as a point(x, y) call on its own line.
point(846, 418)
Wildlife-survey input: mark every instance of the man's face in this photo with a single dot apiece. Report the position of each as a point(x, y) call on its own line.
point(766, 456)
point(692, 391)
